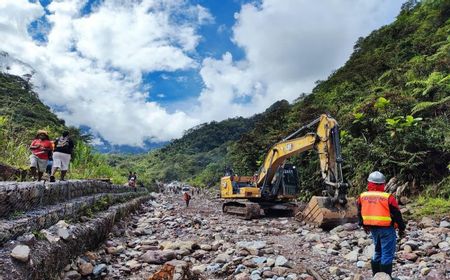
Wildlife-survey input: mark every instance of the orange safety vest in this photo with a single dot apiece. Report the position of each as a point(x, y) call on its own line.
point(375, 209)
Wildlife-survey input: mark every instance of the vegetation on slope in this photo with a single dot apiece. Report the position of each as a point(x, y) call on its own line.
point(22, 114)
point(197, 156)
point(391, 99)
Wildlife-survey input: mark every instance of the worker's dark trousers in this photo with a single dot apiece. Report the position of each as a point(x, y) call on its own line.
point(384, 239)
point(187, 203)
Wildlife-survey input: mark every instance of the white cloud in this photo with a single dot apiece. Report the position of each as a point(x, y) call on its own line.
point(91, 65)
point(288, 45)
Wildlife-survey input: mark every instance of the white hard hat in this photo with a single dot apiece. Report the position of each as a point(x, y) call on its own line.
point(376, 177)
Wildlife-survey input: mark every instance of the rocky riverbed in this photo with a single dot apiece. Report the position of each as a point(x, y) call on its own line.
point(204, 244)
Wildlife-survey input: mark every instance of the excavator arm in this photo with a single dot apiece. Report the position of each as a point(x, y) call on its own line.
point(325, 140)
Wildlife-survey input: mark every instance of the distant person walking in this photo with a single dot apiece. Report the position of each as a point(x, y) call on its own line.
point(187, 198)
point(40, 148)
point(62, 155)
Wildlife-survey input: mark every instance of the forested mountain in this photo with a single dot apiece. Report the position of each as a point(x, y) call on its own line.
point(391, 98)
point(22, 106)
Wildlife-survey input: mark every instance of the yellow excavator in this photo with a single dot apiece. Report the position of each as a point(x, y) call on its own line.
point(276, 185)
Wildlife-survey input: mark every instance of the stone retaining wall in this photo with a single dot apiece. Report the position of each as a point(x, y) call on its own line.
point(48, 259)
point(23, 196)
point(42, 218)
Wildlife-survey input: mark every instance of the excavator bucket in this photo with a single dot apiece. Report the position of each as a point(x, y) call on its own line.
point(322, 213)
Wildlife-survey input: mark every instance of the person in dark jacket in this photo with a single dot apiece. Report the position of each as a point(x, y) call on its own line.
point(186, 198)
point(62, 155)
point(380, 214)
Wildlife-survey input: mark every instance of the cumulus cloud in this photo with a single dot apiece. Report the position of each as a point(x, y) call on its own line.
point(288, 45)
point(91, 65)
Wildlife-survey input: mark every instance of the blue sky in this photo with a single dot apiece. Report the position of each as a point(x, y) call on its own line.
point(173, 88)
point(144, 71)
point(170, 88)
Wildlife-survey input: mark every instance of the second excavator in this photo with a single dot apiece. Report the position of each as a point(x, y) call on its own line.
point(276, 185)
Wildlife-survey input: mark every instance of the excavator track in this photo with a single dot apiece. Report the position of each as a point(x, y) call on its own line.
point(246, 210)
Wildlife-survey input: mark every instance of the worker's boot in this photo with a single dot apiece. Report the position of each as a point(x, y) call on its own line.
point(375, 267)
point(386, 268)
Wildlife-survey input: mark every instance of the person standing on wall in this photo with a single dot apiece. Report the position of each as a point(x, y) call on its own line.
point(379, 213)
point(62, 155)
point(40, 148)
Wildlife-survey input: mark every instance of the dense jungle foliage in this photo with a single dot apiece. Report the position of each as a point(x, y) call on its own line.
point(22, 114)
point(392, 101)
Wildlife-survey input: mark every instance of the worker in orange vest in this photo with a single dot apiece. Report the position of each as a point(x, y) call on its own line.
point(380, 214)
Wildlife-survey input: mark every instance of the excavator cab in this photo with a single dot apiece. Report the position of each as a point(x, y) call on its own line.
point(285, 183)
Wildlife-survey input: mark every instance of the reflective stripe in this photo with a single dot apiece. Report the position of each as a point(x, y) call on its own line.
point(380, 194)
point(377, 218)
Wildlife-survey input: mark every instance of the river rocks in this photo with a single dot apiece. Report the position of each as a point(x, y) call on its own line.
point(282, 261)
point(427, 222)
point(278, 270)
point(369, 251)
point(409, 256)
point(444, 224)
point(439, 257)
point(210, 245)
point(50, 236)
point(334, 270)
point(180, 245)
point(198, 269)
point(63, 233)
point(86, 269)
point(158, 257)
point(133, 264)
point(252, 247)
point(381, 276)
point(72, 275)
point(352, 256)
point(222, 258)
point(115, 250)
point(21, 253)
point(443, 245)
point(360, 264)
point(99, 269)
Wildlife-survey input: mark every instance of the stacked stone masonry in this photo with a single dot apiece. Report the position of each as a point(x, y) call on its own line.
point(36, 207)
point(23, 196)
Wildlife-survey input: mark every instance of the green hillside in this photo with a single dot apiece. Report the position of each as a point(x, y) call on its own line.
point(198, 155)
point(391, 98)
point(22, 106)
point(22, 114)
